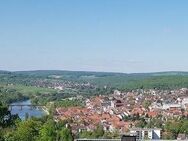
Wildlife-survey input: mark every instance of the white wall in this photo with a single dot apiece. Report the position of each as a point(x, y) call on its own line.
point(156, 134)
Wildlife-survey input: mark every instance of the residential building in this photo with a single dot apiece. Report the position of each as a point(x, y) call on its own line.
point(146, 133)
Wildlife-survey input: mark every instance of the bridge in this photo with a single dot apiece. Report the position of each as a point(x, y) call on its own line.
point(26, 105)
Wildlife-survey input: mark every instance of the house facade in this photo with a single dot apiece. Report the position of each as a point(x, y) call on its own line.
point(146, 133)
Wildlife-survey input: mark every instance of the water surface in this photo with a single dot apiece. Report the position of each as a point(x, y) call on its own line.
point(32, 112)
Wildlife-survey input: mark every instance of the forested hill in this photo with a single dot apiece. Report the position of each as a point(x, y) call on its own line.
point(161, 80)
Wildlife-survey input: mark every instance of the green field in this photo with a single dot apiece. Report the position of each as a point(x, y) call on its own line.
point(26, 90)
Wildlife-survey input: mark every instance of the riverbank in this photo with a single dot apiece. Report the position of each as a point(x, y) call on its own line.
point(45, 109)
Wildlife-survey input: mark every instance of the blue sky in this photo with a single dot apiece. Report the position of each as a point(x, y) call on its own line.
point(94, 35)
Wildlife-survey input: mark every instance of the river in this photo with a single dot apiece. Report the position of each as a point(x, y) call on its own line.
point(34, 112)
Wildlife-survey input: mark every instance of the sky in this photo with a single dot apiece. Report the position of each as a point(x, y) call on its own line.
point(94, 35)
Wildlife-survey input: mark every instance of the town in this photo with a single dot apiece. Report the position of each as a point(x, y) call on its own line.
point(130, 112)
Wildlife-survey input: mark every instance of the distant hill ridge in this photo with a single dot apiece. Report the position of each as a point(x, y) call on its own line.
point(124, 81)
point(65, 72)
